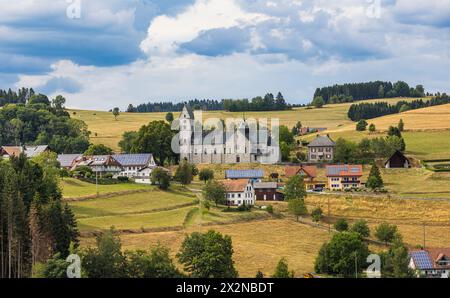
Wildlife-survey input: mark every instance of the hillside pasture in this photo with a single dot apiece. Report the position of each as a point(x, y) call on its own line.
point(74, 188)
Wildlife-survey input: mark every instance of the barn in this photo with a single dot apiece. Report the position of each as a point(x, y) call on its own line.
point(397, 160)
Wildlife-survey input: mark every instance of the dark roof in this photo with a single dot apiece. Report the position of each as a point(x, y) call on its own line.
point(397, 153)
point(190, 111)
point(322, 141)
point(66, 160)
point(265, 185)
point(241, 174)
point(127, 160)
point(344, 170)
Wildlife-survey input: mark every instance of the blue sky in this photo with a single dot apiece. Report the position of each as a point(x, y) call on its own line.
point(120, 52)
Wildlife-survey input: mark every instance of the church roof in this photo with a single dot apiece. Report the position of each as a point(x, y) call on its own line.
point(190, 111)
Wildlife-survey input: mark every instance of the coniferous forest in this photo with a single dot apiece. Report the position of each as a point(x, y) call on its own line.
point(370, 90)
point(35, 224)
point(378, 109)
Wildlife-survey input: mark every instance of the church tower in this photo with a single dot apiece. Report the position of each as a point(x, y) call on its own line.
point(186, 121)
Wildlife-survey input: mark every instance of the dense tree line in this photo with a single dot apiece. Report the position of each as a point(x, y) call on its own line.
point(20, 96)
point(373, 110)
point(267, 103)
point(42, 122)
point(204, 104)
point(369, 90)
point(34, 223)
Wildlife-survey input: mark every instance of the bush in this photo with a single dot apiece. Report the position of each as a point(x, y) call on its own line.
point(108, 176)
point(341, 225)
point(361, 228)
point(386, 232)
point(317, 214)
point(269, 209)
point(123, 178)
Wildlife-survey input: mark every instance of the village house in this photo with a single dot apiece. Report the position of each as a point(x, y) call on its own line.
point(397, 160)
point(69, 161)
point(321, 149)
point(102, 165)
point(132, 164)
point(267, 191)
point(252, 175)
point(144, 175)
point(431, 262)
point(309, 174)
point(239, 192)
point(341, 177)
point(29, 151)
point(232, 145)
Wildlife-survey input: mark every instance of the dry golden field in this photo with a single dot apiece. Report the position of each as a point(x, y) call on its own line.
point(106, 130)
point(257, 245)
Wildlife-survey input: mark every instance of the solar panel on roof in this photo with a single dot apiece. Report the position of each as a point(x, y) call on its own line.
point(422, 259)
point(236, 174)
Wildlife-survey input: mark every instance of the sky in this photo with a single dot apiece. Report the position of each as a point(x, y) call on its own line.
point(101, 54)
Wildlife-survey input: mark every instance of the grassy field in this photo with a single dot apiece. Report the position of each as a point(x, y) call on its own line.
point(133, 203)
point(74, 188)
point(106, 130)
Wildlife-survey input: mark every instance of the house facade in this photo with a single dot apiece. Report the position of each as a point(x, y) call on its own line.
point(267, 191)
point(101, 165)
point(309, 174)
point(342, 177)
point(321, 149)
point(233, 145)
point(430, 263)
point(239, 192)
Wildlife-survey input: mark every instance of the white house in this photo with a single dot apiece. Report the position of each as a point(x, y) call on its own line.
point(132, 164)
point(144, 175)
point(431, 262)
point(239, 192)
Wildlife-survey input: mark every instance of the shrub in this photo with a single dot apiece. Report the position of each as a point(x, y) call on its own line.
point(123, 178)
point(341, 225)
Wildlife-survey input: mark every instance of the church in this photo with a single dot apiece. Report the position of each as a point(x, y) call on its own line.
point(232, 145)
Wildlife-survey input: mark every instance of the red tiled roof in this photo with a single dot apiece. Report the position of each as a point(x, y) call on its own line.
point(235, 185)
point(437, 254)
point(310, 171)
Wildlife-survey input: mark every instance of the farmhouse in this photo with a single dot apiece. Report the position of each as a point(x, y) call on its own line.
point(267, 191)
point(233, 145)
point(144, 175)
point(341, 177)
point(431, 262)
point(239, 192)
point(133, 163)
point(321, 149)
point(309, 173)
point(29, 151)
point(101, 165)
point(253, 175)
point(397, 160)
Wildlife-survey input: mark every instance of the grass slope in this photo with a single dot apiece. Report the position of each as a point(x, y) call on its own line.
point(74, 188)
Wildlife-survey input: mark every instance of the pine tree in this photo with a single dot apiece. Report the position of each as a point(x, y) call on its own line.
point(375, 180)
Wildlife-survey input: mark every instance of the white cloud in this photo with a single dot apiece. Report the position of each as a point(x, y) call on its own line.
point(165, 33)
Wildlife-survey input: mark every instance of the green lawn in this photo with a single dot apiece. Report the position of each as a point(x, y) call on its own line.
point(74, 188)
point(133, 203)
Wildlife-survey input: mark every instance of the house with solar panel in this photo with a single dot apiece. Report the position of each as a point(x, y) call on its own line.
point(235, 144)
point(134, 164)
point(321, 149)
point(342, 177)
point(69, 161)
point(431, 262)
